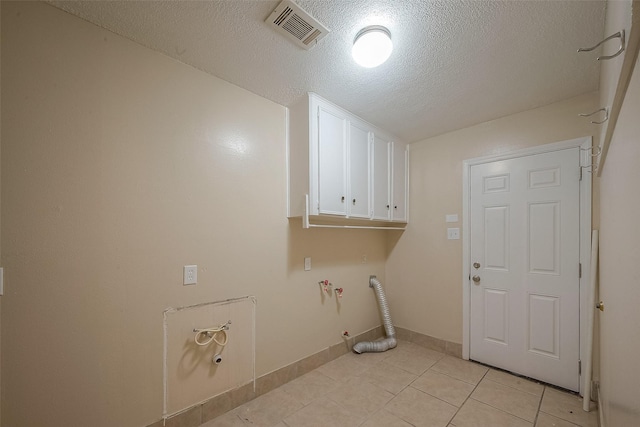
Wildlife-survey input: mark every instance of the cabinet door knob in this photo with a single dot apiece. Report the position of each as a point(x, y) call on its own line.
point(342, 199)
point(395, 207)
point(387, 206)
point(354, 201)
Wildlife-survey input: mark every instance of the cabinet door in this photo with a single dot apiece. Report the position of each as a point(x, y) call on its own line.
point(380, 179)
point(331, 162)
point(399, 190)
point(358, 167)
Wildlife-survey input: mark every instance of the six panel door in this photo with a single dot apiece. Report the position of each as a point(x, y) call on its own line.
point(525, 221)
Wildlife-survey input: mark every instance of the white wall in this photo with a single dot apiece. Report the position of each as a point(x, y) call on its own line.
point(619, 261)
point(119, 166)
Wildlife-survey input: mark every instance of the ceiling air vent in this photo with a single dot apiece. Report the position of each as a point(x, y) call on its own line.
point(297, 25)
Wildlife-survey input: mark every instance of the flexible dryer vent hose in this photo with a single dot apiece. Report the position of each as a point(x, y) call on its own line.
point(390, 341)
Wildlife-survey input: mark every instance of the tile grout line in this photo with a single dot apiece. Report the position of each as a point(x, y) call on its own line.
point(435, 397)
point(544, 390)
point(468, 397)
point(513, 388)
point(508, 413)
point(404, 388)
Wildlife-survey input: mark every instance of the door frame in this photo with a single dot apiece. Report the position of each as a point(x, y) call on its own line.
point(585, 145)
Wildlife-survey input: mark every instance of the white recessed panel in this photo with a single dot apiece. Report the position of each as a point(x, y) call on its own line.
point(544, 325)
point(496, 238)
point(495, 184)
point(544, 178)
point(544, 238)
point(496, 319)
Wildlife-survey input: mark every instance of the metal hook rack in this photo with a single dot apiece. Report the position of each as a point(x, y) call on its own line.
point(606, 116)
point(591, 154)
point(590, 168)
point(619, 35)
point(597, 150)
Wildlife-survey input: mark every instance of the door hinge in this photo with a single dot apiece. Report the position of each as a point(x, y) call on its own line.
point(579, 367)
point(580, 270)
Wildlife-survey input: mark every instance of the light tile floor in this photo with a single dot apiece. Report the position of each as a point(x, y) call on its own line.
point(410, 386)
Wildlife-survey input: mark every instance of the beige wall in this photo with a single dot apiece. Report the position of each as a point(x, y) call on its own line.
point(424, 268)
point(0, 217)
point(619, 261)
point(119, 166)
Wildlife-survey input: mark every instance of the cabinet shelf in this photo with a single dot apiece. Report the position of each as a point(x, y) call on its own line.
point(326, 221)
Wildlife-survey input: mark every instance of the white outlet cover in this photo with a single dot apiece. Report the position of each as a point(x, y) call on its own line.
point(190, 275)
point(451, 218)
point(453, 233)
point(307, 264)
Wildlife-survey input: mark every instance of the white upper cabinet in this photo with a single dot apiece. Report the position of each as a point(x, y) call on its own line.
point(400, 159)
point(359, 171)
point(381, 179)
point(346, 168)
point(332, 164)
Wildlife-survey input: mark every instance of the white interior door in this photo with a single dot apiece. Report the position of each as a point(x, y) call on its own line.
point(525, 254)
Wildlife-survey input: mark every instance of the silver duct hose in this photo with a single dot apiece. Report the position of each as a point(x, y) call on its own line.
point(390, 341)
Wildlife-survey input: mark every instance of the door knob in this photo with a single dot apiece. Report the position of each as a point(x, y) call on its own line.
point(600, 306)
point(476, 265)
point(476, 278)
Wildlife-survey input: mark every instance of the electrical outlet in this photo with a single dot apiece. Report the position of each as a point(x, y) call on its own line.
point(453, 233)
point(190, 275)
point(364, 259)
point(307, 264)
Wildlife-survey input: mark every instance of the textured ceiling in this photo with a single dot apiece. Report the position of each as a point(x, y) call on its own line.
point(454, 64)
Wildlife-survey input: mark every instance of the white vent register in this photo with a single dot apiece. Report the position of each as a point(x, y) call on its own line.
point(296, 24)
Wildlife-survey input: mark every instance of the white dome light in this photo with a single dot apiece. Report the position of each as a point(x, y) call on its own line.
point(372, 46)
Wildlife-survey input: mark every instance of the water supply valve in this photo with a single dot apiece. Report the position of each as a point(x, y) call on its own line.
point(326, 285)
point(339, 292)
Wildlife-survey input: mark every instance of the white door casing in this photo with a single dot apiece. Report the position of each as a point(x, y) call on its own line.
point(524, 217)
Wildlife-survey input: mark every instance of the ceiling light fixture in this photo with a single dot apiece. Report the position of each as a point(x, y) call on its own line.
point(372, 46)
